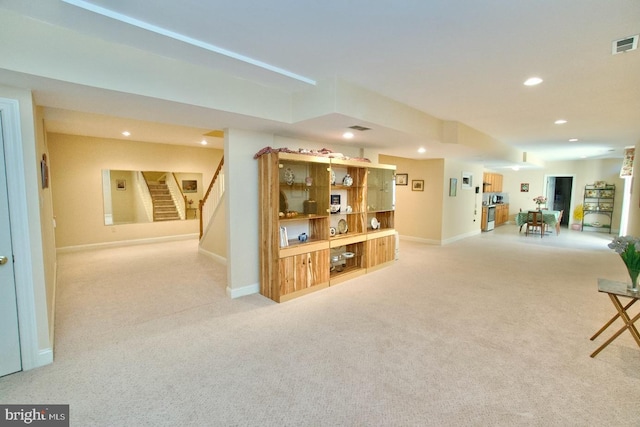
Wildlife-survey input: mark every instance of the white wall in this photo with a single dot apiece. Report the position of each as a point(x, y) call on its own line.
point(76, 171)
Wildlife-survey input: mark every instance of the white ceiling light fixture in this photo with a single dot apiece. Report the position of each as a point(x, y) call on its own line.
point(515, 168)
point(348, 135)
point(126, 133)
point(422, 150)
point(573, 140)
point(203, 142)
point(533, 81)
point(560, 121)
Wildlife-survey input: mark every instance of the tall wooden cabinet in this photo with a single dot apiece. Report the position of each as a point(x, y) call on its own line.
point(322, 221)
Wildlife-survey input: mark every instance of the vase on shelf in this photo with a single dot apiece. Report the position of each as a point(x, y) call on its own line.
point(633, 286)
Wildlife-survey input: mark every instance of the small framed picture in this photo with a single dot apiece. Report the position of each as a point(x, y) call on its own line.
point(189, 186)
point(121, 184)
point(524, 187)
point(417, 185)
point(453, 187)
point(44, 171)
point(402, 179)
point(467, 180)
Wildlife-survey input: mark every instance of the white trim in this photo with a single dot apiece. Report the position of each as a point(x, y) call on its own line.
point(420, 240)
point(217, 258)
point(66, 249)
point(45, 357)
point(243, 291)
point(185, 39)
point(18, 211)
point(460, 237)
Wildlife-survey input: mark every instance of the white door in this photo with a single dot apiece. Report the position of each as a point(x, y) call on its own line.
point(10, 360)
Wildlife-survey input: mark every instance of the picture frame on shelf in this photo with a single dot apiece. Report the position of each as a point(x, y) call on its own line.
point(417, 185)
point(402, 179)
point(453, 187)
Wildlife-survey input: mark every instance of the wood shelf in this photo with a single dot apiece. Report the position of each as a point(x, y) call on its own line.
point(301, 267)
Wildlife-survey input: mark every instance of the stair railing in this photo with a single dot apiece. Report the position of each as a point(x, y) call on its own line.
point(212, 197)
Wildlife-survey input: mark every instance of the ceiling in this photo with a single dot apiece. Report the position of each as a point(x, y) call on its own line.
point(463, 61)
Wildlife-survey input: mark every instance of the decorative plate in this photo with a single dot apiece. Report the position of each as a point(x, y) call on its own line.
point(333, 177)
point(289, 177)
point(342, 226)
point(374, 223)
point(332, 231)
point(347, 181)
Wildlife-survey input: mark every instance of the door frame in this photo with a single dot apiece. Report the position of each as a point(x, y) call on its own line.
point(20, 233)
point(572, 204)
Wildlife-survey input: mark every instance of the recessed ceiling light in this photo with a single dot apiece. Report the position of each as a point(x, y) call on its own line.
point(422, 150)
point(573, 140)
point(560, 121)
point(347, 135)
point(126, 133)
point(533, 81)
point(203, 142)
point(515, 168)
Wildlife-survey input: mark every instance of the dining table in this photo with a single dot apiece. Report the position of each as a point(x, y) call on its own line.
point(549, 217)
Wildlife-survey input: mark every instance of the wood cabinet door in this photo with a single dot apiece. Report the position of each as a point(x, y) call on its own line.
point(303, 271)
point(380, 250)
point(483, 221)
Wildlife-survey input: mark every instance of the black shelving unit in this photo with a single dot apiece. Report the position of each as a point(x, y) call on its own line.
point(598, 205)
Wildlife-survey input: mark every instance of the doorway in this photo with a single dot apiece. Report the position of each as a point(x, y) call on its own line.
point(559, 192)
point(10, 357)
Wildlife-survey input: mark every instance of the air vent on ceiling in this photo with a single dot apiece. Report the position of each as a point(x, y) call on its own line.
point(360, 128)
point(624, 45)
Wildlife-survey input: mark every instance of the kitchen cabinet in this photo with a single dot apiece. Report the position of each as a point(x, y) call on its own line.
point(502, 213)
point(492, 182)
point(483, 223)
point(598, 207)
point(318, 220)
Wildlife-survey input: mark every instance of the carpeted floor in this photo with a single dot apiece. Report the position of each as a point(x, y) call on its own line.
point(490, 330)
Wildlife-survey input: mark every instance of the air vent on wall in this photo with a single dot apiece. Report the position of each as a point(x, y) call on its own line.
point(360, 128)
point(624, 45)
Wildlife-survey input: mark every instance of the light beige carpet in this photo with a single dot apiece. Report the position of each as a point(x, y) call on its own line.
point(491, 330)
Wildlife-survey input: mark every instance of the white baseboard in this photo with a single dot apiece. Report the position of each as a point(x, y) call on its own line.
point(45, 357)
point(461, 236)
point(126, 243)
point(217, 258)
point(441, 242)
point(243, 291)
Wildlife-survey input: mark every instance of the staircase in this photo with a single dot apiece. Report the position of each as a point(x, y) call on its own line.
point(164, 209)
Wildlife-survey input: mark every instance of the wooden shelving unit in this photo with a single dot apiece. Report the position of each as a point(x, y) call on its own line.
point(296, 196)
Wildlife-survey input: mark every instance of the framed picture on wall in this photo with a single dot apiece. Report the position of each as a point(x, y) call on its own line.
point(467, 180)
point(402, 179)
point(524, 187)
point(121, 184)
point(189, 186)
point(417, 185)
point(453, 187)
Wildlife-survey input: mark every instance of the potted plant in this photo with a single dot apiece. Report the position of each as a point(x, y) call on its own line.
point(578, 214)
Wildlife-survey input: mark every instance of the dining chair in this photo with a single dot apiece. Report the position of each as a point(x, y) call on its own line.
point(558, 222)
point(535, 222)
